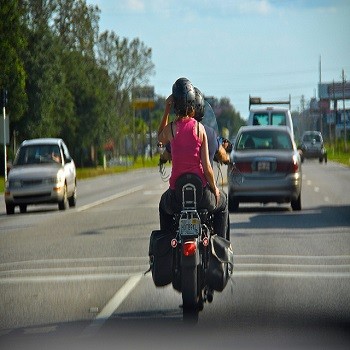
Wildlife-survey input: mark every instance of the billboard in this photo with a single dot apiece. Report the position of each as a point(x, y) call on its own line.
point(334, 91)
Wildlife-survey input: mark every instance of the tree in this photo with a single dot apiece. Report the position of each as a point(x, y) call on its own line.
point(226, 115)
point(129, 65)
point(76, 24)
point(93, 120)
point(50, 102)
point(12, 45)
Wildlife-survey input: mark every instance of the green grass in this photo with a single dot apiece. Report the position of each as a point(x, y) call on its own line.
point(338, 153)
point(84, 173)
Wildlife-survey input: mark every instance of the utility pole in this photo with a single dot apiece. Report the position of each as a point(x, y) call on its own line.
point(4, 113)
point(343, 82)
point(320, 107)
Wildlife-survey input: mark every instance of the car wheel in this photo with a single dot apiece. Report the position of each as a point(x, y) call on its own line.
point(10, 209)
point(23, 208)
point(63, 204)
point(296, 204)
point(325, 159)
point(73, 199)
point(233, 204)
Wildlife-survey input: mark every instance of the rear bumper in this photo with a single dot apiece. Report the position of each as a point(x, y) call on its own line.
point(259, 190)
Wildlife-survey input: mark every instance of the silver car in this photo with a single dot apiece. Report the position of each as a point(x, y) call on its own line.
point(312, 146)
point(42, 172)
point(266, 167)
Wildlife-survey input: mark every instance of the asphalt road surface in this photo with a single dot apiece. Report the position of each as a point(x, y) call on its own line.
point(75, 279)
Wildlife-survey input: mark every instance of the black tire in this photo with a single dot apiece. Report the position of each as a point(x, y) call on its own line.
point(296, 204)
point(10, 209)
point(190, 316)
point(63, 204)
point(23, 208)
point(73, 199)
point(189, 286)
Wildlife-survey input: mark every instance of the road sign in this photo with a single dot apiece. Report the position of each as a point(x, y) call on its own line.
point(142, 103)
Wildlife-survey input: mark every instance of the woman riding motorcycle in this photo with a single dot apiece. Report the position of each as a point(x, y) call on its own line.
point(189, 150)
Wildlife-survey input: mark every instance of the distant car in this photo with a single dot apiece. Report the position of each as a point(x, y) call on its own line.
point(266, 167)
point(312, 146)
point(42, 172)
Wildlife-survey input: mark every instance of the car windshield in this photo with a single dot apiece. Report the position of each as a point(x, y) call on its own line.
point(264, 139)
point(38, 154)
point(310, 137)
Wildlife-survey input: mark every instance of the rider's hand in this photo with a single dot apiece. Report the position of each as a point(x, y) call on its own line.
point(169, 101)
point(217, 195)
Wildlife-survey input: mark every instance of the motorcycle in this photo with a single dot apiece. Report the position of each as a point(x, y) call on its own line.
point(191, 255)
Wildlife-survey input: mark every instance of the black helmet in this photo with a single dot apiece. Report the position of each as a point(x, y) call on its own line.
point(199, 105)
point(184, 96)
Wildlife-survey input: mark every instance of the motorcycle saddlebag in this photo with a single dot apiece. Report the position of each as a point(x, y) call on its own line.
point(161, 257)
point(220, 263)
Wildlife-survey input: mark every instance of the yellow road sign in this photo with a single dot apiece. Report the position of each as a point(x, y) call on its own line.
point(143, 104)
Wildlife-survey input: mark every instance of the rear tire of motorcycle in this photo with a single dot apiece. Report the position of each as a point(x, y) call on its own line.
point(190, 299)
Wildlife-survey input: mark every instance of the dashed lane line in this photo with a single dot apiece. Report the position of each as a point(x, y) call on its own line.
point(110, 198)
point(111, 306)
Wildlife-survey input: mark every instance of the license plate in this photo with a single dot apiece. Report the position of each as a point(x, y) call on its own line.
point(190, 226)
point(263, 166)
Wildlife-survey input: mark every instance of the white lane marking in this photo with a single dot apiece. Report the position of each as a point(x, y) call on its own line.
point(298, 266)
point(81, 260)
point(91, 269)
point(110, 198)
point(64, 278)
point(249, 256)
point(153, 192)
point(112, 305)
point(285, 274)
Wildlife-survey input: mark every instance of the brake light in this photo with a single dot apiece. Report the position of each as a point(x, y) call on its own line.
point(287, 167)
point(295, 166)
point(244, 167)
point(189, 248)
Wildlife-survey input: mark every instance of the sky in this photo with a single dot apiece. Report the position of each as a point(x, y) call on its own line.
point(236, 48)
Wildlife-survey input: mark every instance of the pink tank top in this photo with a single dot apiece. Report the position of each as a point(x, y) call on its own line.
point(185, 151)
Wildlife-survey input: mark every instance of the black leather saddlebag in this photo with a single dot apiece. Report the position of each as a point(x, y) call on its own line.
point(161, 257)
point(220, 263)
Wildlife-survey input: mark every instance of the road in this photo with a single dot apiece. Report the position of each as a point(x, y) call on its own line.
point(75, 279)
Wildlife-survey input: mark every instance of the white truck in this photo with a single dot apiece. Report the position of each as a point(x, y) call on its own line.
point(270, 115)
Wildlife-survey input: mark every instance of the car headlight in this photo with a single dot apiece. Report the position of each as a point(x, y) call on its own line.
point(60, 176)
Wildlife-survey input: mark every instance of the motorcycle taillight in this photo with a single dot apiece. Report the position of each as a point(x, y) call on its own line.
point(189, 248)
